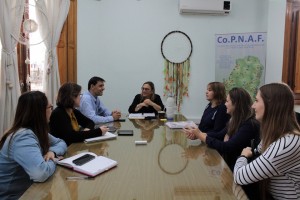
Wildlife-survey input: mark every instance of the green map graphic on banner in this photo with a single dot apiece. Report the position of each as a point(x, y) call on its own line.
point(246, 74)
point(241, 60)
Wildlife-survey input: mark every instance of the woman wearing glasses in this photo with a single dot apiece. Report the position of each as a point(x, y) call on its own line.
point(68, 123)
point(27, 150)
point(147, 101)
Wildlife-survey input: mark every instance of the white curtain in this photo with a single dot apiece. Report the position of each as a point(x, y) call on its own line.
point(11, 13)
point(56, 12)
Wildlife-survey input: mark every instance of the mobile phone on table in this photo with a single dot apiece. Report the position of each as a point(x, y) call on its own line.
point(83, 159)
point(125, 132)
point(120, 120)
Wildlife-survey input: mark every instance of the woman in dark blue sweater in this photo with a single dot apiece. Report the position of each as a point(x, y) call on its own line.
point(240, 130)
point(215, 116)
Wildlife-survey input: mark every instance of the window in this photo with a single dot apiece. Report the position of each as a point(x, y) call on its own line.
point(291, 55)
point(31, 74)
point(31, 57)
point(37, 56)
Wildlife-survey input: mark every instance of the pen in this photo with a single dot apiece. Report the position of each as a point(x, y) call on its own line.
point(71, 178)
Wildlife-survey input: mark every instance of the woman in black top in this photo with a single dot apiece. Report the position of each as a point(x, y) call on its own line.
point(147, 101)
point(68, 123)
point(215, 115)
point(240, 130)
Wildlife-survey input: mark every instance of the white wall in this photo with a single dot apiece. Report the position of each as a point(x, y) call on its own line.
point(276, 22)
point(119, 40)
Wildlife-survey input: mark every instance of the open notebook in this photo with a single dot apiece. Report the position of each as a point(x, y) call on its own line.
point(91, 167)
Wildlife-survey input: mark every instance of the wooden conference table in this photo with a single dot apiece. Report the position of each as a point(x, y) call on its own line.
point(170, 166)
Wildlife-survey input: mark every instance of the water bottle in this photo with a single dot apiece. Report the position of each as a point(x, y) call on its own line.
point(170, 107)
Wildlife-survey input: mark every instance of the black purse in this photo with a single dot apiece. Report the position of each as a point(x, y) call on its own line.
point(254, 150)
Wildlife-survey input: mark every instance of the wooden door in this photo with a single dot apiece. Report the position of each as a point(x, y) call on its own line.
point(67, 47)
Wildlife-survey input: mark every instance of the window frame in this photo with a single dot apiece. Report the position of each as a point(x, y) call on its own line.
point(291, 51)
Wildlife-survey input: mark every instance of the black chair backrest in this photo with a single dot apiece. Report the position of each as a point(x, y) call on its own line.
point(298, 117)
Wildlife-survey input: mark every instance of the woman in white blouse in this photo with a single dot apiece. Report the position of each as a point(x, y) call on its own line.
point(278, 166)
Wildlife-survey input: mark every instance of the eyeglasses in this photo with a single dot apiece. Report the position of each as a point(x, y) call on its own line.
point(77, 95)
point(145, 88)
point(51, 107)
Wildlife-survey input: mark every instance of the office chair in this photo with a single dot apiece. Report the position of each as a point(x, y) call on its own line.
point(298, 117)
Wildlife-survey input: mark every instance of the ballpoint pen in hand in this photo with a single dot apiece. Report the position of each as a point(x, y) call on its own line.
point(73, 178)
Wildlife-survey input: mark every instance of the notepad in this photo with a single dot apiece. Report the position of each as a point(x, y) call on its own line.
point(140, 115)
point(107, 136)
point(91, 168)
point(180, 124)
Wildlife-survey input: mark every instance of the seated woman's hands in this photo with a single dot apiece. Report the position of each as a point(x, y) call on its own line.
point(104, 129)
point(148, 102)
point(50, 155)
point(226, 138)
point(192, 132)
point(247, 152)
point(140, 105)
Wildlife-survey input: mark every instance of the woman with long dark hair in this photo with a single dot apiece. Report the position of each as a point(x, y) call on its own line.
point(27, 150)
point(240, 130)
point(278, 166)
point(68, 123)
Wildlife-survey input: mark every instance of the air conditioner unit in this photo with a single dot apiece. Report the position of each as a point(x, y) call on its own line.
point(216, 7)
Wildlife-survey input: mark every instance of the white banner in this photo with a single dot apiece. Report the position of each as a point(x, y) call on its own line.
point(241, 60)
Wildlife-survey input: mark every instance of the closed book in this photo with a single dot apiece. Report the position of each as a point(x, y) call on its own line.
point(107, 136)
point(93, 167)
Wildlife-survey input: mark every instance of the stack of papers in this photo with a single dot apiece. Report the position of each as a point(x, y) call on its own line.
point(180, 124)
point(107, 136)
point(140, 115)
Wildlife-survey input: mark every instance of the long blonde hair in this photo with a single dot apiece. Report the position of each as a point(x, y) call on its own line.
point(279, 119)
point(279, 116)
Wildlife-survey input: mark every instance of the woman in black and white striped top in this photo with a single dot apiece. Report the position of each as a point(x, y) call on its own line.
point(278, 166)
